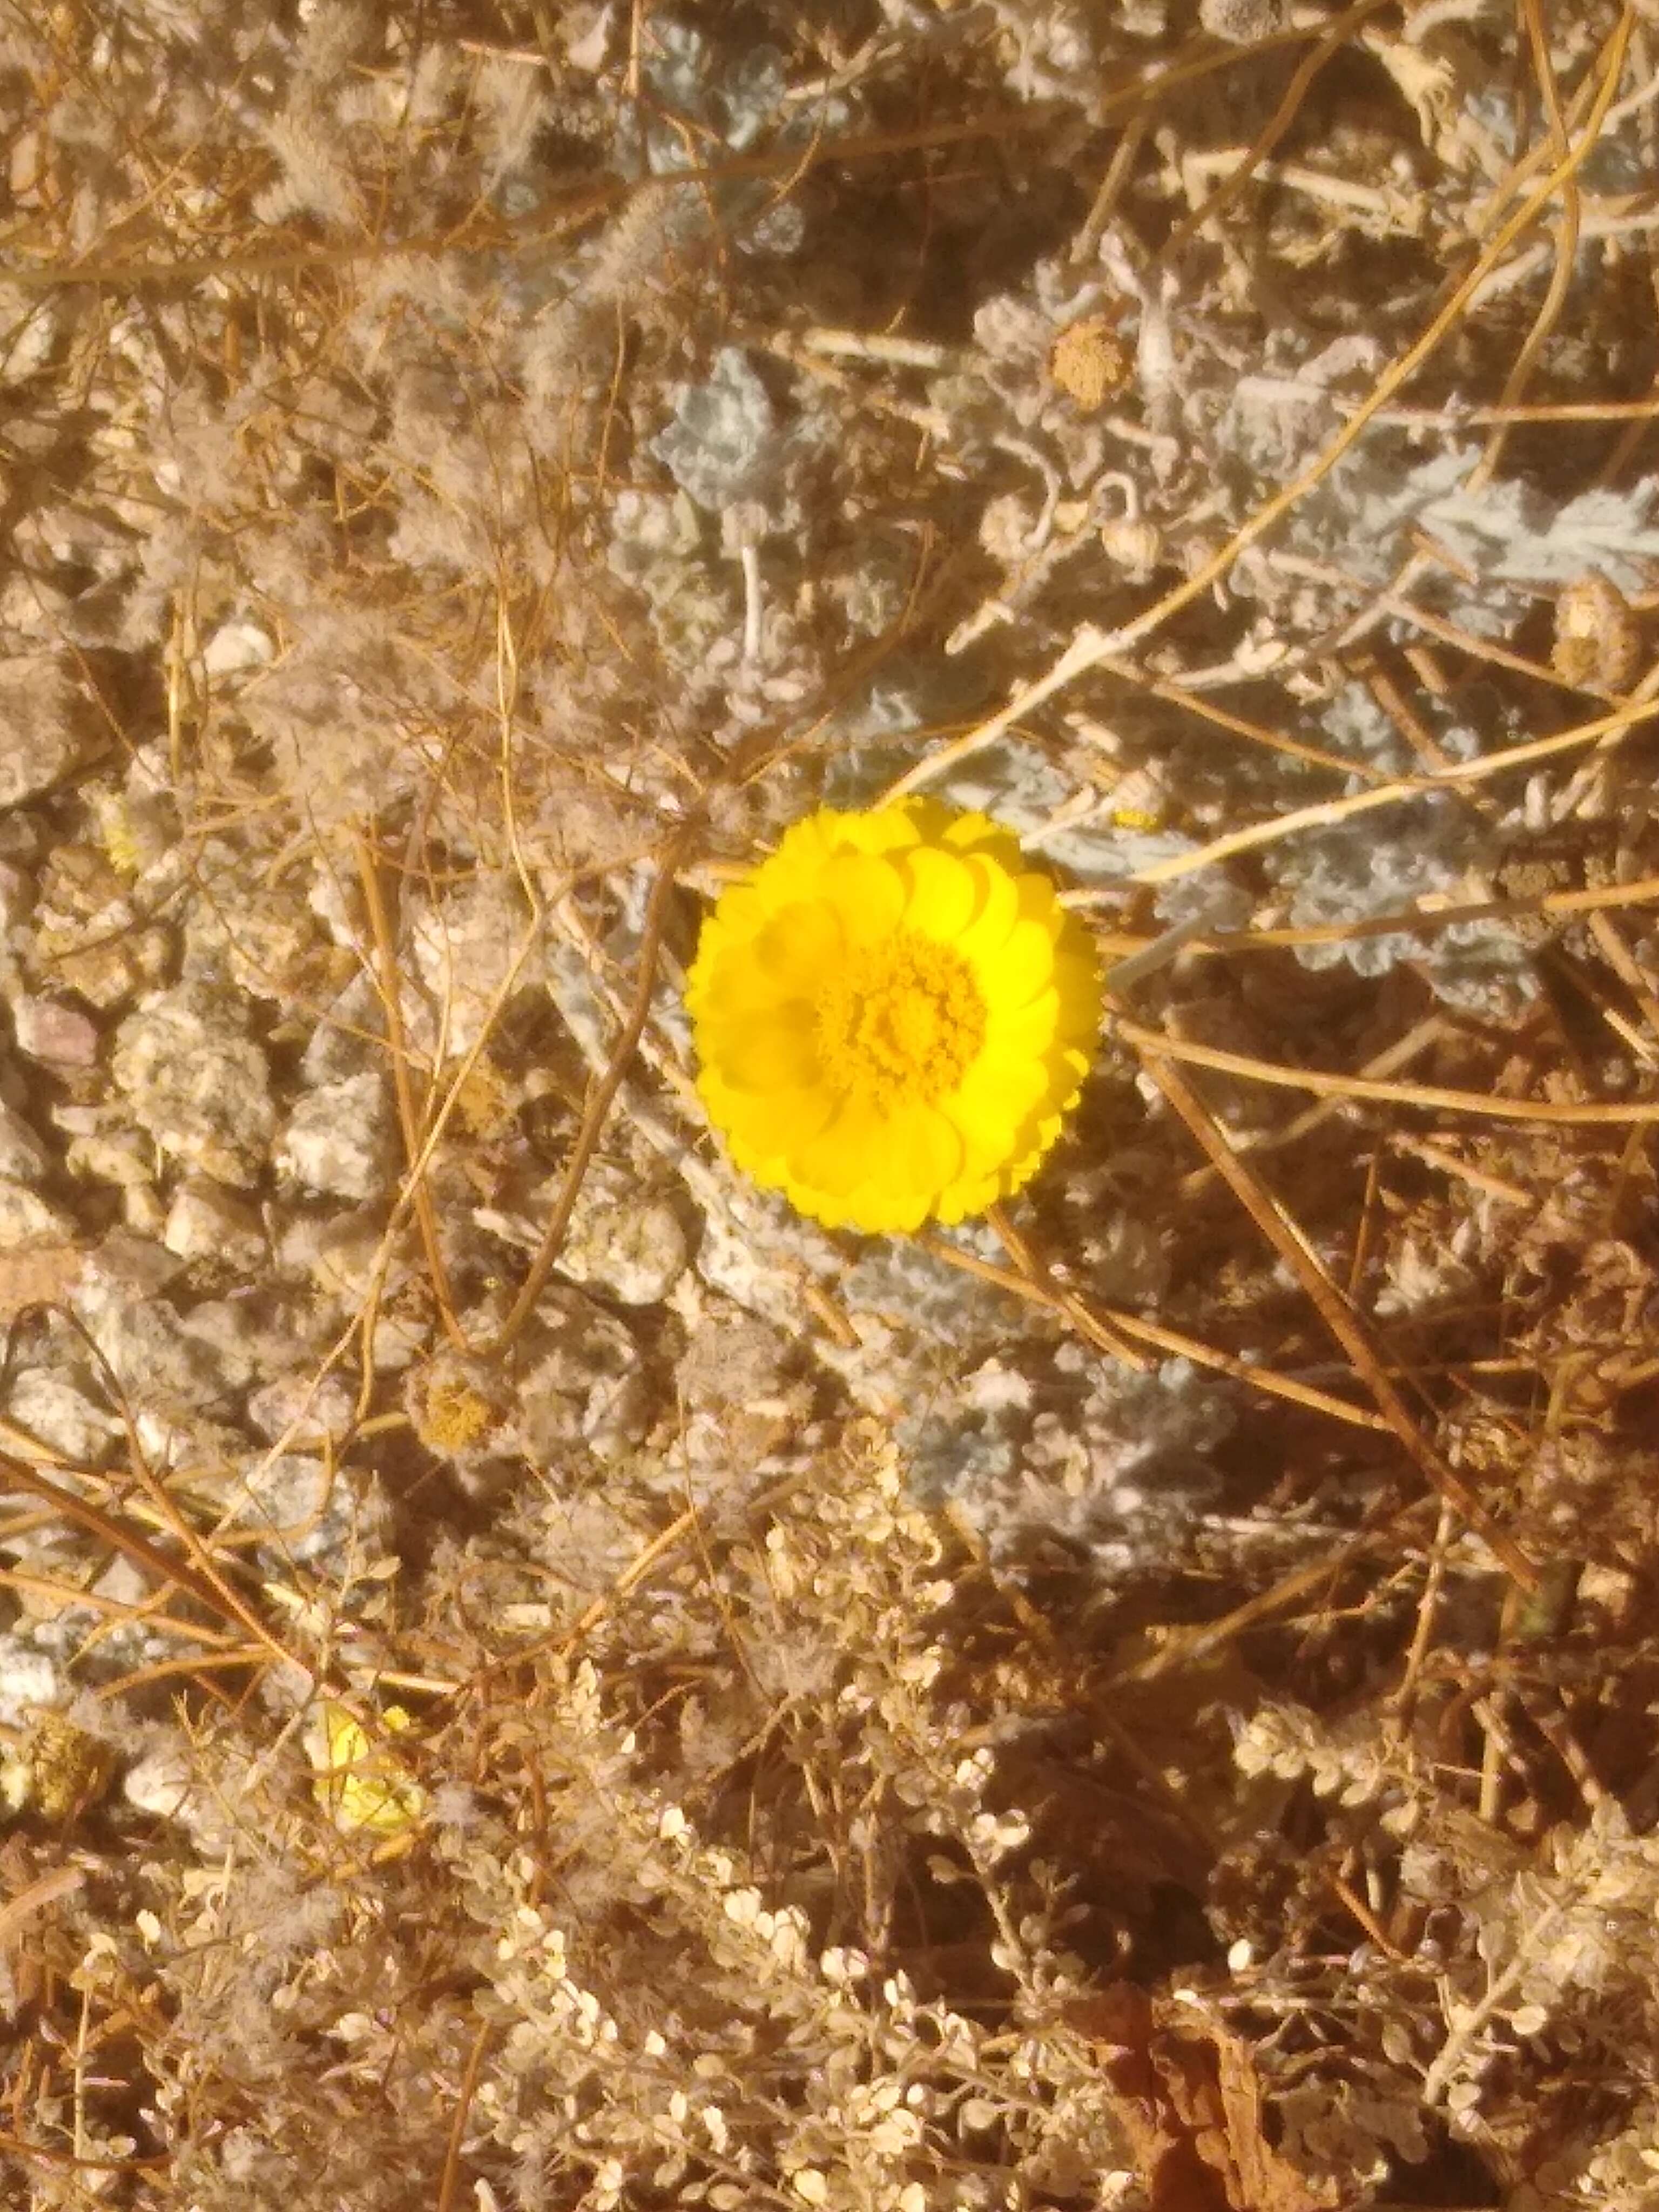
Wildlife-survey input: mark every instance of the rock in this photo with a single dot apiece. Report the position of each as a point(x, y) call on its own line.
point(57, 1036)
point(464, 947)
point(333, 1519)
point(165, 1784)
point(41, 744)
point(300, 1410)
point(78, 884)
point(346, 1261)
point(110, 969)
point(16, 895)
point(1243, 22)
point(398, 1338)
point(227, 1330)
point(158, 1364)
point(206, 1223)
point(105, 1152)
point(143, 1212)
point(583, 1383)
point(161, 1784)
point(622, 1241)
point(61, 1417)
point(341, 1255)
point(71, 1630)
point(130, 1267)
point(29, 1680)
point(88, 937)
point(338, 1138)
point(197, 1081)
point(238, 645)
point(246, 934)
point(345, 1040)
point(23, 1157)
point(348, 1264)
point(27, 1219)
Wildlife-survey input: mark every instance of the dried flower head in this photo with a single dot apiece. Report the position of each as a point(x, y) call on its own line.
point(1089, 361)
point(1598, 638)
point(893, 1014)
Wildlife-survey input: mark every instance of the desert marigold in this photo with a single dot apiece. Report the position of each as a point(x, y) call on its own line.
point(362, 1785)
point(893, 1014)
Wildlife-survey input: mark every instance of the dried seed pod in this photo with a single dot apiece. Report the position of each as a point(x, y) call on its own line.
point(1088, 362)
point(1598, 640)
point(455, 1406)
point(1006, 528)
point(58, 1770)
point(1241, 23)
point(1134, 544)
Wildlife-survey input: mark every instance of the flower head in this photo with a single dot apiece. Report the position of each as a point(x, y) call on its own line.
point(364, 1786)
point(892, 1013)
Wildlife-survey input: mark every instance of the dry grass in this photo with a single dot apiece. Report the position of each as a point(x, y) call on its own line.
point(534, 1680)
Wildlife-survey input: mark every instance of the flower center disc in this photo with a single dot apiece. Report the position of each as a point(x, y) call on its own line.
point(902, 1019)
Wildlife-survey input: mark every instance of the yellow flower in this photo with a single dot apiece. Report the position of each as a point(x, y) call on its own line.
point(361, 1785)
point(893, 1014)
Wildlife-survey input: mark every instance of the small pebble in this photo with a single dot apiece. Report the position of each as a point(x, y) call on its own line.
point(55, 1035)
point(27, 1219)
point(632, 1246)
point(23, 1157)
point(197, 1081)
point(338, 1138)
point(206, 1223)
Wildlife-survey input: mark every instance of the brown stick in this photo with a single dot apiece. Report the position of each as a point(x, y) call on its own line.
point(602, 1097)
point(1328, 1302)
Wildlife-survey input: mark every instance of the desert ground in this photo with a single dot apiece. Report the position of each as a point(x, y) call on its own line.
point(535, 1676)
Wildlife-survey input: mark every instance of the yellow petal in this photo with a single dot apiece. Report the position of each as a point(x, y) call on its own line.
point(1017, 970)
point(1022, 1030)
point(867, 894)
point(774, 1055)
point(944, 894)
point(799, 943)
point(362, 1785)
point(883, 1212)
point(765, 1130)
point(997, 1093)
point(882, 829)
point(996, 912)
point(737, 993)
point(1077, 978)
point(801, 851)
point(836, 1158)
point(921, 1150)
point(977, 832)
point(970, 1194)
point(743, 909)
